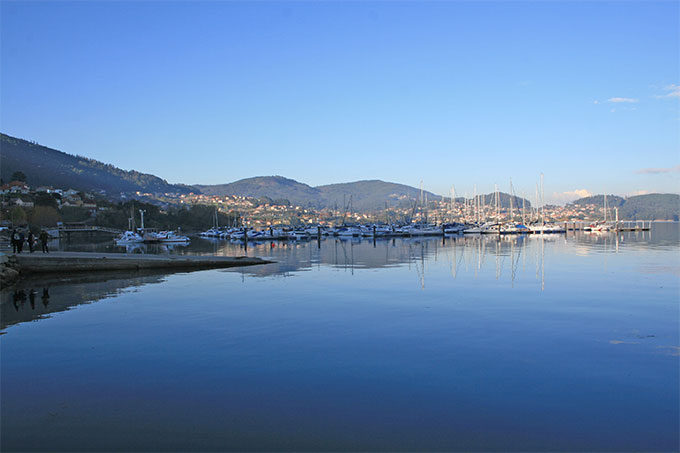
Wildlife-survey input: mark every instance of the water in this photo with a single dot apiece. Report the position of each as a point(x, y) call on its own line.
point(566, 343)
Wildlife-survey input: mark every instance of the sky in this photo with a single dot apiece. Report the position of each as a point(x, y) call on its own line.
point(445, 92)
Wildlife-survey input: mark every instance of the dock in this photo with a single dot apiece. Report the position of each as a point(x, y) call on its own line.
point(66, 262)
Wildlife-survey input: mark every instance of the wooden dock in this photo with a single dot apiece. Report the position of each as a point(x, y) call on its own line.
point(66, 262)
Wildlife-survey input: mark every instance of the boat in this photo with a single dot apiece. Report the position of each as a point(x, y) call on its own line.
point(129, 237)
point(172, 237)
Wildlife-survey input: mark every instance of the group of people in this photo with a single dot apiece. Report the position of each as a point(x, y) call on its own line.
point(18, 238)
point(19, 298)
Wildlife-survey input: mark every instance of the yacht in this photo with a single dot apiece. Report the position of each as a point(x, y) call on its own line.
point(129, 237)
point(171, 237)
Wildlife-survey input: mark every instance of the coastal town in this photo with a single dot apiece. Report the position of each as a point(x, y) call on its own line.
point(46, 206)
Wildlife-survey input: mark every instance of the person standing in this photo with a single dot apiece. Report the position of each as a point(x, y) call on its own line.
point(43, 241)
point(14, 238)
point(22, 238)
point(31, 241)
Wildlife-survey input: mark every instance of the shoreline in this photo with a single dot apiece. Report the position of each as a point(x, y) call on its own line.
point(16, 266)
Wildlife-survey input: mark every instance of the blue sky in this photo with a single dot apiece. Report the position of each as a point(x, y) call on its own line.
point(445, 92)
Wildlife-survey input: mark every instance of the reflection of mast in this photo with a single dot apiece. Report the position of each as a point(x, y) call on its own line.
point(542, 202)
point(542, 263)
point(498, 269)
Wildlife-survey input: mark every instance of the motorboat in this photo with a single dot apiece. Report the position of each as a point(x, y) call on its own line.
point(129, 237)
point(172, 237)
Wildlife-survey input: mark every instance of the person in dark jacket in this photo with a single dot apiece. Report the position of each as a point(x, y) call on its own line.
point(31, 241)
point(43, 241)
point(22, 239)
point(14, 238)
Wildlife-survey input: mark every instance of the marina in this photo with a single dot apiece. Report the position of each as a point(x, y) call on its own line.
point(543, 342)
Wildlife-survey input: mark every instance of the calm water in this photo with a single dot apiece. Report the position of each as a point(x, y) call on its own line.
point(557, 343)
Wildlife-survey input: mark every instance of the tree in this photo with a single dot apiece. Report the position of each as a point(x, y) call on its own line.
point(45, 216)
point(19, 176)
point(18, 215)
point(45, 199)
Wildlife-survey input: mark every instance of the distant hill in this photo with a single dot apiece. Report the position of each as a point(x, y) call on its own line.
point(274, 187)
point(372, 194)
point(613, 201)
point(364, 195)
point(45, 166)
point(653, 206)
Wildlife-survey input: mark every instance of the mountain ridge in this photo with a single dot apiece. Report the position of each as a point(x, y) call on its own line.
point(45, 166)
point(652, 206)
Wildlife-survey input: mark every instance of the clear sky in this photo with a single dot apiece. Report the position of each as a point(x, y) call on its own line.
point(449, 93)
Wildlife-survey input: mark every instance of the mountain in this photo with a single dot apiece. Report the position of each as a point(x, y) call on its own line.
point(274, 187)
point(613, 201)
point(45, 166)
point(653, 206)
point(365, 195)
point(372, 194)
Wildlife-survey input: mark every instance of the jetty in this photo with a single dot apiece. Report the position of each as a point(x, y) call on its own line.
point(70, 262)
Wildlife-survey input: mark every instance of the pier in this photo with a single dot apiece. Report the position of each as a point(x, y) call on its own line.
point(67, 262)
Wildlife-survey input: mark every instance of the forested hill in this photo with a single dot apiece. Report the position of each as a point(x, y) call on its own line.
point(366, 195)
point(274, 187)
point(363, 195)
point(45, 166)
point(653, 206)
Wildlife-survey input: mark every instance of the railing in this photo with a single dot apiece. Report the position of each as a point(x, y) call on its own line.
point(80, 228)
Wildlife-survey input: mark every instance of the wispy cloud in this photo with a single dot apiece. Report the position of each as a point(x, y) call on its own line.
point(570, 195)
point(658, 171)
point(622, 100)
point(672, 91)
point(639, 192)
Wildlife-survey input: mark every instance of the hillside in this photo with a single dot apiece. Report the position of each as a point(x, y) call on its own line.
point(365, 195)
point(45, 166)
point(274, 187)
point(613, 201)
point(372, 194)
point(653, 206)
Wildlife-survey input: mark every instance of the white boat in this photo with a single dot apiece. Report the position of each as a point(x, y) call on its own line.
point(298, 235)
point(129, 237)
point(424, 230)
point(171, 237)
point(453, 228)
point(514, 228)
point(348, 232)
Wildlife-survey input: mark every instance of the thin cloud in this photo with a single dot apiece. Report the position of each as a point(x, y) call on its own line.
point(639, 192)
point(622, 100)
point(570, 195)
point(673, 91)
point(658, 171)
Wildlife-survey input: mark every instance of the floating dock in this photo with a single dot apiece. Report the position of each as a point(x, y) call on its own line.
point(66, 262)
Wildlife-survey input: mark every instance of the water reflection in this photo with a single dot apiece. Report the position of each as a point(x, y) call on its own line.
point(527, 258)
point(508, 256)
point(61, 293)
point(484, 343)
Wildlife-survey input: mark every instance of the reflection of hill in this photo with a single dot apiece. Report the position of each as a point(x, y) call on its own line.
point(354, 254)
point(36, 298)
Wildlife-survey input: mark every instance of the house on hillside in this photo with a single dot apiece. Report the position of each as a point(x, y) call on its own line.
point(19, 187)
point(23, 203)
point(71, 201)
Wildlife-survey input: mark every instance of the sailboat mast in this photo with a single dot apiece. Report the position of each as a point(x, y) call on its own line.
point(498, 209)
point(512, 212)
point(542, 200)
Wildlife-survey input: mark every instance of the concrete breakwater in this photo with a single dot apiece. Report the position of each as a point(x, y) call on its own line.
point(13, 266)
